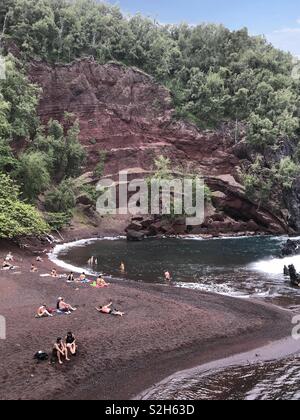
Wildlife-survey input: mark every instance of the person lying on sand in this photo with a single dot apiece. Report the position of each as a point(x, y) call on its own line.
point(60, 350)
point(33, 269)
point(44, 312)
point(54, 273)
point(62, 306)
point(39, 259)
point(7, 266)
point(101, 283)
point(108, 310)
point(70, 341)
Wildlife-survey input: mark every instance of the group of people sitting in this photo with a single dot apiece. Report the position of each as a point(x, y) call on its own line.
point(63, 348)
point(61, 308)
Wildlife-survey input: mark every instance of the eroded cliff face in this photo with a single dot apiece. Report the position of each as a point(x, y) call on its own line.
point(125, 113)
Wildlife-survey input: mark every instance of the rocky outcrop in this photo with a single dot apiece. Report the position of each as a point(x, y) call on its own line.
point(134, 236)
point(126, 114)
point(290, 248)
point(294, 276)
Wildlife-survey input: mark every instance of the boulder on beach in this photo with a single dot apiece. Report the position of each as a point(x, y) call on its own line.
point(135, 236)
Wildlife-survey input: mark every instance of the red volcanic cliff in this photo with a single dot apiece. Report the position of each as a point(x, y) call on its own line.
point(124, 112)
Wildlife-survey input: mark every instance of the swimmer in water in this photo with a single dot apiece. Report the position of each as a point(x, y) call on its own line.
point(122, 267)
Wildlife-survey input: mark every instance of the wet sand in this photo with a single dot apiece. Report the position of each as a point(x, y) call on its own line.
point(165, 330)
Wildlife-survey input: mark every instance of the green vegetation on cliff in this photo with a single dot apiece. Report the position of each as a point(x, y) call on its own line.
point(215, 75)
point(17, 218)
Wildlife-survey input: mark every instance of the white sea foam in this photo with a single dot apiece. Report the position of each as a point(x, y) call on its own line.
point(275, 265)
point(220, 289)
point(54, 256)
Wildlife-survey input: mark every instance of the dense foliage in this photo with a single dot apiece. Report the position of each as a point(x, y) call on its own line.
point(17, 218)
point(46, 155)
point(214, 74)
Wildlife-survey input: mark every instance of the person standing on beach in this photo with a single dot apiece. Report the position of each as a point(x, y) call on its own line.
point(168, 277)
point(122, 267)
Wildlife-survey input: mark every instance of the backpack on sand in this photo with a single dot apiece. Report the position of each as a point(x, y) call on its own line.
point(41, 356)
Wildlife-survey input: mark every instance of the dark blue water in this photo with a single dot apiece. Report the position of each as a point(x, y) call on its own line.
point(238, 267)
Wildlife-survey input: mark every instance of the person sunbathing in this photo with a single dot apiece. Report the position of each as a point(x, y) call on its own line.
point(33, 269)
point(82, 279)
point(109, 310)
point(54, 273)
point(62, 306)
point(101, 283)
point(7, 266)
point(60, 350)
point(70, 341)
point(44, 312)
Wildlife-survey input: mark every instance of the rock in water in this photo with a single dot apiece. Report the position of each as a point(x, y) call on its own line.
point(290, 248)
point(294, 276)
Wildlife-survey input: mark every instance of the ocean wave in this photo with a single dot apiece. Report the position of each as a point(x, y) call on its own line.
point(275, 265)
point(220, 289)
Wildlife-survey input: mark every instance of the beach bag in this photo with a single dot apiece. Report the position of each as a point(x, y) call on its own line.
point(41, 356)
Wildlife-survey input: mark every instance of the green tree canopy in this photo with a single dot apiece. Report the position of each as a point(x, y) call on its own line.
point(17, 218)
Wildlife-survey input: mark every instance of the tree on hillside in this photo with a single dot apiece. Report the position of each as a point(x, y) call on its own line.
point(17, 218)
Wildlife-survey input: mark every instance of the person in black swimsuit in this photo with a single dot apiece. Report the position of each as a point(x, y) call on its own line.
point(71, 278)
point(71, 343)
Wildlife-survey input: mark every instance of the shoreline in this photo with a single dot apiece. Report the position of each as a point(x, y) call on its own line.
point(166, 330)
point(278, 350)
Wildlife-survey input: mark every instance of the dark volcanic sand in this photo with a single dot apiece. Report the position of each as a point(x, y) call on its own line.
point(166, 329)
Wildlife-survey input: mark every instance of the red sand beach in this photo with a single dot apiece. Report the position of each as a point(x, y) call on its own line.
point(166, 329)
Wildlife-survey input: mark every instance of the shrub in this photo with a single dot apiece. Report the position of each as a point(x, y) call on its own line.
point(58, 221)
point(16, 217)
point(61, 199)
